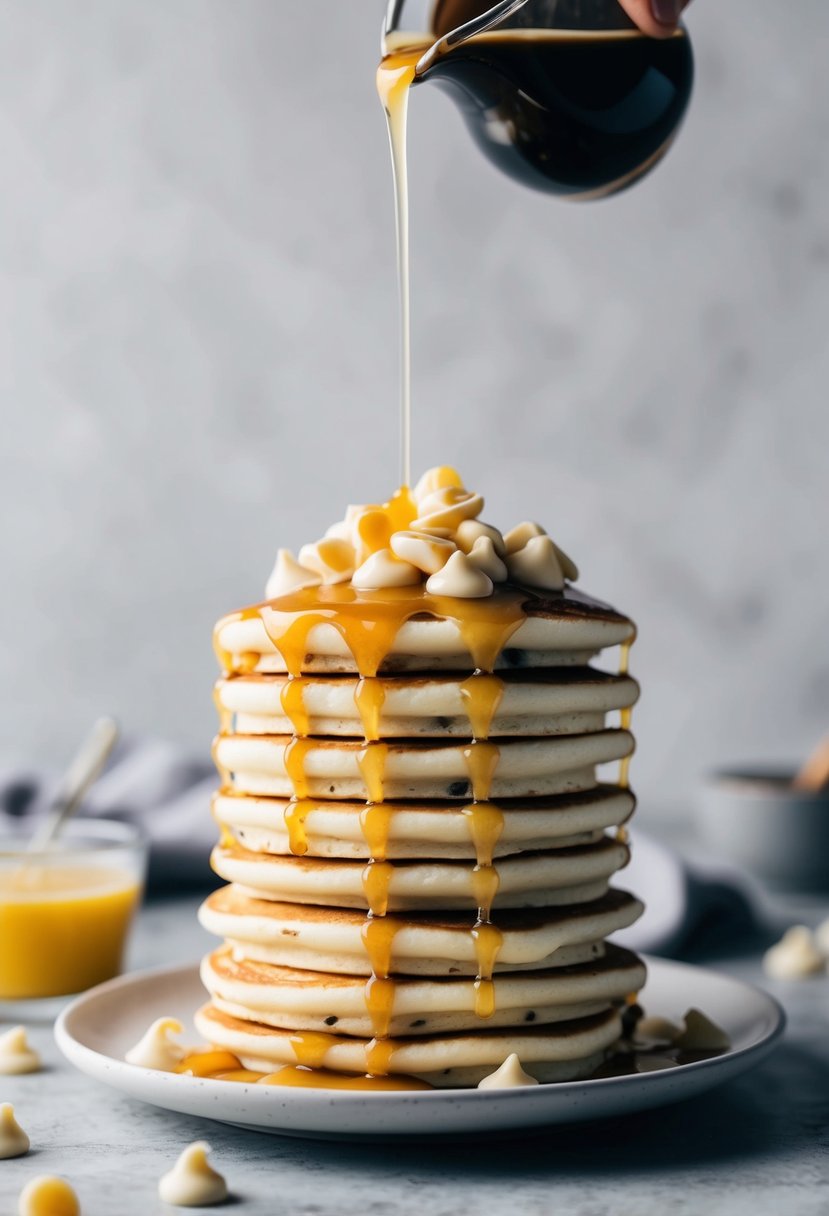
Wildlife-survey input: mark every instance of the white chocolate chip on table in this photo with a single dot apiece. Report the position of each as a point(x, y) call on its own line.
point(13, 1140)
point(16, 1055)
point(796, 956)
point(47, 1196)
point(192, 1182)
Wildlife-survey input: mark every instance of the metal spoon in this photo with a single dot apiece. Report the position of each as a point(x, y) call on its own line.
point(81, 774)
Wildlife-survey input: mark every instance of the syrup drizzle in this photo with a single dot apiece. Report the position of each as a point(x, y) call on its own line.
point(395, 76)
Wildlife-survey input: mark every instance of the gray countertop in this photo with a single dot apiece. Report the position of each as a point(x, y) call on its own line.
point(756, 1146)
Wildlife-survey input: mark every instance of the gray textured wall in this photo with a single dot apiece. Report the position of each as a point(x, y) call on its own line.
point(198, 360)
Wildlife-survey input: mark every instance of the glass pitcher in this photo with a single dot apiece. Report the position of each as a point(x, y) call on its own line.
point(567, 96)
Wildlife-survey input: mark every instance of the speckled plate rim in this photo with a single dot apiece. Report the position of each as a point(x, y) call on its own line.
point(98, 1027)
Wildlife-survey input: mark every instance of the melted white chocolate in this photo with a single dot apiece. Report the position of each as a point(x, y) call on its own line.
point(289, 575)
point(48, 1196)
point(156, 1049)
point(16, 1055)
point(796, 956)
point(701, 1034)
point(509, 1076)
point(192, 1182)
point(460, 578)
point(13, 1140)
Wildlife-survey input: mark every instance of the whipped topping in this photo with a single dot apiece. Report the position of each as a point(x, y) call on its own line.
point(430, 533)
point(156, 1049)
point(192, 1182)
point(48, 1196)
point(796, 956)
point(16, 1055)
point(13, 1140)
point(509, 1076)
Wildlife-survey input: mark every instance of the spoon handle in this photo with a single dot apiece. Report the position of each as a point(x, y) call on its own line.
point(478, 25)
point(83, 771)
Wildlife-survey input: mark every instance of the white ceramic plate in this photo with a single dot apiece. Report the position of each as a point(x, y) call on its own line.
point(97, 1029)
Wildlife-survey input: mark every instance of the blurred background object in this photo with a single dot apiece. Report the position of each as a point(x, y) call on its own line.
point(199, 359)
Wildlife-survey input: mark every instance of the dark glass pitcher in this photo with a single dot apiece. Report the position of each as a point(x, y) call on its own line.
point(567, 96)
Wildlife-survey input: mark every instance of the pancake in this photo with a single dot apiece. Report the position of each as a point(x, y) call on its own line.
point(427, 829)
point(563, 1051)
point(557, 630)
point(331, 768)
point(293, 999)
point(532, 703)
point(419, 851)
point(331, 939)
point(528, 880)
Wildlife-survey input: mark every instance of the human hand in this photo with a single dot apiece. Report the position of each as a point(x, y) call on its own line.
point(658, 18)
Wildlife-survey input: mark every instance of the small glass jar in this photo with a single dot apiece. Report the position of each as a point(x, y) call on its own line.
point(66, 913)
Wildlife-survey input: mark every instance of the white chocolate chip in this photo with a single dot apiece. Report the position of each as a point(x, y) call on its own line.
point(383, 570)
point(16, 1055)
point(428, 553)
point(447, 509)
point(370, 531)
point(518, 536)
point(341, 530)
point(13, 1140)
point(471, 530)
point(537, 565)
point(568, 566)
point(46, 1196)
point(656, 1030)
point(461, 579)
point(288, 575)
point(701, 1034)
point(483, 555)
point(192, 1182)
point(156, 1049)
point(509, 1076)
point(442, 477)
point(795, 956)
point(332, 559)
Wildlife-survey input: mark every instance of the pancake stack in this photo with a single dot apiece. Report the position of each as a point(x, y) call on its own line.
point(417, 849)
